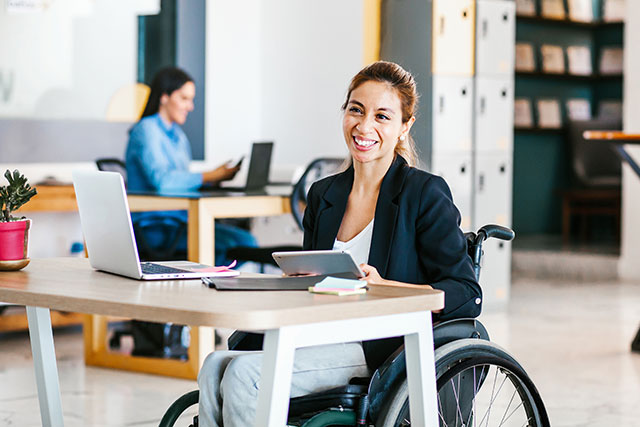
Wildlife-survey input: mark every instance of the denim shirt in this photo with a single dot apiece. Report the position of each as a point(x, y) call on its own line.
point(158, 157)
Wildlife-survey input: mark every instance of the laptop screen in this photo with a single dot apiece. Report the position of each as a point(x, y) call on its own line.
point(258, 174)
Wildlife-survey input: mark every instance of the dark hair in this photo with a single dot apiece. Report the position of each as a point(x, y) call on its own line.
point(166, 81)
point(404, 84)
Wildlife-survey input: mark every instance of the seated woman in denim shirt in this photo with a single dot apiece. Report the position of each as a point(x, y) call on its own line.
point(158, 156)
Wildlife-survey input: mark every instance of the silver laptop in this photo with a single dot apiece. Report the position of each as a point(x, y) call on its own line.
point(108, 232)
point(256, 176)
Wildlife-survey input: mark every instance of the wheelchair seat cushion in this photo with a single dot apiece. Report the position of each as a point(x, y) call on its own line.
point(345, 397)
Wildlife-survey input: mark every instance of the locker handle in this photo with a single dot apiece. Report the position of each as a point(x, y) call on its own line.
point(503, 93)
point(503, 168)
point(464, 13)
point(481, 182)
point(441, 25)
point(483, 103)
point(485, 28)
point(441, 103)
point(463, 169)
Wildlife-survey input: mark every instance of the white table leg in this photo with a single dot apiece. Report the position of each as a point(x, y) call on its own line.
point(275, 382)
point(421, 372)
point(44, 361)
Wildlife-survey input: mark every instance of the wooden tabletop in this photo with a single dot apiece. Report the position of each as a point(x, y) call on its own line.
point(611, 135)
point(70, 284)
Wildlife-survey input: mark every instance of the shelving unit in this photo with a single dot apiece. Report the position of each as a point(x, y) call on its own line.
point(567, 22)
point(568, 77)
point(541, 158)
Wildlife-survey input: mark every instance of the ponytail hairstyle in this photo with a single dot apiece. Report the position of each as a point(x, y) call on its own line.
point(166, 81)
point(405, 86)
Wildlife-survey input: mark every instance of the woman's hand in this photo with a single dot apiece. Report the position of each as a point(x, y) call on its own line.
point(372, 277)
point(221, 173)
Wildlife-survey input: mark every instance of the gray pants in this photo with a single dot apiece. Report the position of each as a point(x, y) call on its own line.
point(229, 380)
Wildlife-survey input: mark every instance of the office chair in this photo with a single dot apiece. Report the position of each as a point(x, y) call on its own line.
point(150, 338)
point(316, 170)
point(595, 177)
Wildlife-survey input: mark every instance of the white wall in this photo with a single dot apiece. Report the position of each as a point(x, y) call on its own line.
point(66, 60)
point(629, 267)
point(279, 70)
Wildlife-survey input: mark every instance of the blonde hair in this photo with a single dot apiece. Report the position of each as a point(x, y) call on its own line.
point(405, 86)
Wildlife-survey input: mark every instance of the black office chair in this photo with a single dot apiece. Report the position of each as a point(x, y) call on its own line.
point(150, 338)
point(596, 175)
point(317, 169)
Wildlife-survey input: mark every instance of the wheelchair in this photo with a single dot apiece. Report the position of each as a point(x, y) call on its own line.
point(478, 382)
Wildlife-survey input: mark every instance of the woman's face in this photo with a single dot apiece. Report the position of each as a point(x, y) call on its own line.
point(177, 106)
point(372, 122)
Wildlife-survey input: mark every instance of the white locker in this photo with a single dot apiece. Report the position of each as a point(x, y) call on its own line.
point(494, 114)
point(495, 38)
point(452, 124)
point(456, 170)
point(453, 37)
point(492, 189)
point(495, 274)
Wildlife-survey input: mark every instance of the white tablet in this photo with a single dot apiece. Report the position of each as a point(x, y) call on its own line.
point(317, 262)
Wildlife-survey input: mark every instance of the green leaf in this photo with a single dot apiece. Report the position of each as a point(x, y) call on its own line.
point(14, 195)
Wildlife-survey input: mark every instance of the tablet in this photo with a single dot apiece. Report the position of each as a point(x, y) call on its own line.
point(317, 262)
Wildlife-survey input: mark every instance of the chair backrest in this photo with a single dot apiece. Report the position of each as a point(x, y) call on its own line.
point(317, 169)
point(593, 163)
point(113, 165)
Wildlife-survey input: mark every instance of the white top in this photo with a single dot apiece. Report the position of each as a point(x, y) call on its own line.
point(359, 246)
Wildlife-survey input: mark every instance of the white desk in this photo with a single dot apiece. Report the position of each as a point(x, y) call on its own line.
point(291, 320)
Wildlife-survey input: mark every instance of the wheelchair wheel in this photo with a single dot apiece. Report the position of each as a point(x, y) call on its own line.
point(176, 409)
point(479, 384)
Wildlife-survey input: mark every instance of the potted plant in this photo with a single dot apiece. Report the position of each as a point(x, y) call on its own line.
point(14, 232)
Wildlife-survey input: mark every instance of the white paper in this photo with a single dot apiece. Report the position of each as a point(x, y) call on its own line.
point(524, 57)
point(610, 109)
point(611, 60)
point(580, 10)
point(613, 10)
point(523, 116)
point(553, 9)
point(525, 7)
point(552, 59)
point(579, 58)
point(579, 109)
point(549, 114)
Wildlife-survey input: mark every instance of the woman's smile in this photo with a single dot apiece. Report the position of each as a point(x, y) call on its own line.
point(364, 144)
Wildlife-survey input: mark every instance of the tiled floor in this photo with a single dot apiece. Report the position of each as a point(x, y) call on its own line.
point(573, 339)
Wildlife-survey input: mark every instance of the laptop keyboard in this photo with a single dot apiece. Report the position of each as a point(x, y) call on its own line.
point(151, 268)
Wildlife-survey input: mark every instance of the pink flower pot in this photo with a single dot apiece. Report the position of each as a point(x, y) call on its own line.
point(14, 240)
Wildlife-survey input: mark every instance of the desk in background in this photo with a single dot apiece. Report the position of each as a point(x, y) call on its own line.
point(291, 319)
point(203, 209)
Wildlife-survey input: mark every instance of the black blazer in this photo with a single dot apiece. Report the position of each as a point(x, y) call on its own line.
point(416, 239)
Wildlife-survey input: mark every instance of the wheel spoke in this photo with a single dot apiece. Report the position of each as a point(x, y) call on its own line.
point(441, 411)
point(456, 396)
point(476, 388)
point(493, 397)
point(507, 409)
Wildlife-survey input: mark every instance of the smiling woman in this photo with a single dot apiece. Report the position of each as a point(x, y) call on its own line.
point(398, 221)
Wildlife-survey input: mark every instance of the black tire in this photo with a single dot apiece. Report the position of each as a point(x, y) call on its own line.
point(467, 374)
point(176, 409)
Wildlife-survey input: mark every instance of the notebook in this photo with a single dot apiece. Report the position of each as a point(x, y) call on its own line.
point(256, 176)
point(108, 232)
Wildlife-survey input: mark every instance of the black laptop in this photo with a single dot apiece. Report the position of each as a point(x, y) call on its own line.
point(257, 175)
